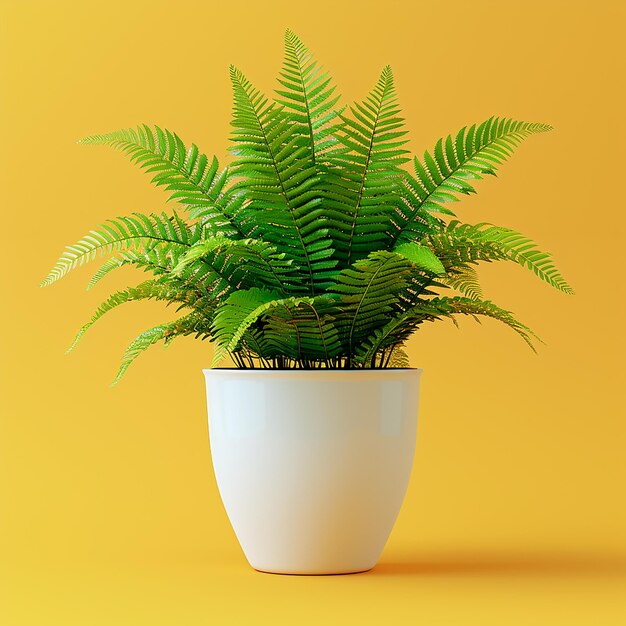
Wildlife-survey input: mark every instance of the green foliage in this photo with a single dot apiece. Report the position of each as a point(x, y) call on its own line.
point(137, 230)
point(307, 94)
point(278, 178)
point(256, 262)
point(157, 289)
point(365, 172)
point(367, 292)
point(314, 247)
point(192, 324)
point(448, 307)
point(443, 174)
point(421, 256)
point(193, 180)
point(239, 312)
point(465, 280)
point(458, 245)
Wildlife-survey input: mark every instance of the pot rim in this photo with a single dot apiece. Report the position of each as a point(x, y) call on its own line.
point(237, 371)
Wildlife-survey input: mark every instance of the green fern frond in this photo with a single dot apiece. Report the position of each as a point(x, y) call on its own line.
point(158, 260)
point(119, 234)
point(465, 280)
point(279, 178)
point(399, 359)
point(421, 256)
point(523, 251)
point(366, 190)
point(367, 292)
point(297, 329)
point(458, 244)
point(105, 269)
point(156, 256)
point(307, 94)
point(443, 174)
point(238, 312)
point(193, 323)
point(260, 261)
point(379, 345)
point(193, 180)
point(215, 275)
point(459, 305)
point(148, 290)
point(201, 249)
point(384, 340)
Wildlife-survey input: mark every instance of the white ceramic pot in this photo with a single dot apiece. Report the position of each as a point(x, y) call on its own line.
point(312, 465)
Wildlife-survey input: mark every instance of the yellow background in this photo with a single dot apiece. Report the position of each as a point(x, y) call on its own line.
point(516, 511)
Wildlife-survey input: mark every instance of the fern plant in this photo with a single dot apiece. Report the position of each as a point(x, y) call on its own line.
point(315, 247)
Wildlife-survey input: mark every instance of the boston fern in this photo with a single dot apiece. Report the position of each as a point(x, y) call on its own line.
point(314, 248)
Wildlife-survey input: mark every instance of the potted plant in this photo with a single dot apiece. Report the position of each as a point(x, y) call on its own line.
point(309, 261)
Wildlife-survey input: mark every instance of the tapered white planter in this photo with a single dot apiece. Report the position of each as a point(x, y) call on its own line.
point(312, 465)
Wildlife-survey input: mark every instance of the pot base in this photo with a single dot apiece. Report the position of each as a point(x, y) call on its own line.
point(278, 572)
